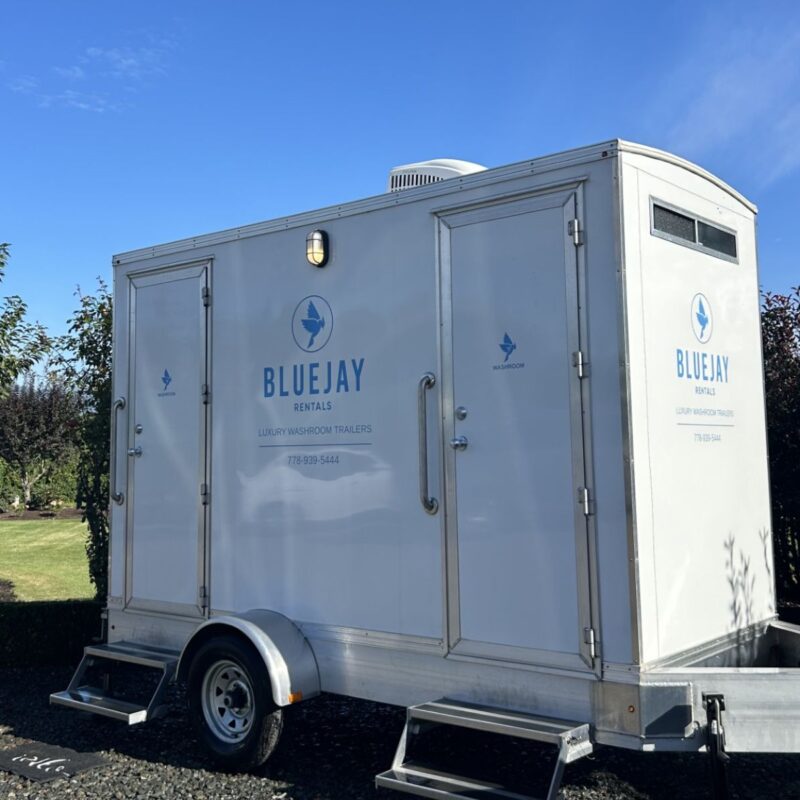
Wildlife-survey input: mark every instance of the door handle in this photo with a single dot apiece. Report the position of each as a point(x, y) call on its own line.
point(459, 443)
point(427, 381)
point(135, 451)
point(117, 497)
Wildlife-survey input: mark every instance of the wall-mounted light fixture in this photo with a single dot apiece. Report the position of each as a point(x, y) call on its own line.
point(317, 248)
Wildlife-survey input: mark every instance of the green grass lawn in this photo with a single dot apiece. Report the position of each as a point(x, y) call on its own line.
point(46, 559)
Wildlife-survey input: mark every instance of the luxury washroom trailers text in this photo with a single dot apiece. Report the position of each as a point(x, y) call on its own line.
point(498, 438)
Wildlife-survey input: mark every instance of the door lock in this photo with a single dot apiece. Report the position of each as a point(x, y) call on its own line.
point(459, 443)
point(134, 451)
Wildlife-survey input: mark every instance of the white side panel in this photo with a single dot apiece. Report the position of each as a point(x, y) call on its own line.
point(315, 493)
point(347, 543)
point(702, 504)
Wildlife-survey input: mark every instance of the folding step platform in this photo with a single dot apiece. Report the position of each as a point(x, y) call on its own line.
point(84, 696)
point(572, 739)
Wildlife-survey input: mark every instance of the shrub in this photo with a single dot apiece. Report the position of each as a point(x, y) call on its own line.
point(47, 632)
point(780, 329)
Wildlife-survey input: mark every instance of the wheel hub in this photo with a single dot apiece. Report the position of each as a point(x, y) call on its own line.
point(227, 701)
point(236, 697)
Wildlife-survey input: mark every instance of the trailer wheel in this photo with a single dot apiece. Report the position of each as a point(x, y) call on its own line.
point(230, 702)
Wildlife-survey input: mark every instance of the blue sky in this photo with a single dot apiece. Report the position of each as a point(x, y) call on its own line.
point(130, 124)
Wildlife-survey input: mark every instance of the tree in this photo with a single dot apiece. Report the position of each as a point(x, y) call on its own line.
point(780, 330)
point(21, 343)
point(86, 365)
point(38, 424)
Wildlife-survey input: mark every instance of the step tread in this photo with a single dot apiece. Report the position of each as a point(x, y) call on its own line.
point(144, 655)
point(88, 698)
point(423, 781)
point(498, 720)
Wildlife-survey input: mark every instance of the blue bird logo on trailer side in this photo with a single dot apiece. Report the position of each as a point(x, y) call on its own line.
point(314, 323)
point(507, 346)
point(167, 378)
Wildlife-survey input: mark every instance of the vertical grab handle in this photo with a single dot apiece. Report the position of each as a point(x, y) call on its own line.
point(427, 381)
point(117, 497)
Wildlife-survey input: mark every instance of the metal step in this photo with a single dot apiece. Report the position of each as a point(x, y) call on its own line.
point(573, 740)
point(131, 653)
point(89, 698)
point(423, 781)
point(96, 700)
point(509, 723)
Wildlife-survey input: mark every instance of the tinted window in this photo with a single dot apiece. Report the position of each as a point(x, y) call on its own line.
point(673, 223)
point(716, 239)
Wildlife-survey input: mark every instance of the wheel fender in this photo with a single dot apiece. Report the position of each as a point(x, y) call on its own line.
point(286, 653)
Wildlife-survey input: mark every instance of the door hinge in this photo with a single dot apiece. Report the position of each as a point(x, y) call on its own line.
point(206, 297)
point(575, 231)
point(206, 393)
point(203, 597)
point(204, 493)
point(580, 363)
point(590, 639)
point(585, 501)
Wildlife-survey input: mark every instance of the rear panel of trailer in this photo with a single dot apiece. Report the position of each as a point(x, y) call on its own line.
point(700, 527)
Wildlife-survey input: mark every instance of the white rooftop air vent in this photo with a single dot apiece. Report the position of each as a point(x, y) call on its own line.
point(408, 176)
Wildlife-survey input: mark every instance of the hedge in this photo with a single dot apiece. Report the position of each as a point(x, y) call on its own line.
point(52, 632)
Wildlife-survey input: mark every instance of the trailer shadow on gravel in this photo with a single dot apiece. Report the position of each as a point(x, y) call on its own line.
point(332, 748)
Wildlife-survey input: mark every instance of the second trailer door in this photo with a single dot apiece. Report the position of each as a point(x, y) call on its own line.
point(518, 561)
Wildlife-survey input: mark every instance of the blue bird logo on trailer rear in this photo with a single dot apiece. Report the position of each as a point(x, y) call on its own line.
point(702, 321)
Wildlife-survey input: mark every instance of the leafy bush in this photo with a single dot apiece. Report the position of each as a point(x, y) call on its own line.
point(59, 486)
point(87, 368)
point(42, 633)
point(22, 343)
point(38, 426)
point(9, 488)
point(780, 329)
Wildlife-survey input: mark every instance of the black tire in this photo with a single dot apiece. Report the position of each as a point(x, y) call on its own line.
point(230, 702)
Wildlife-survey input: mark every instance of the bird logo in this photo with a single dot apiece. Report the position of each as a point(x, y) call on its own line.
point(507, 346)
point(702, 319)
point(167, 378)
point(312, 323)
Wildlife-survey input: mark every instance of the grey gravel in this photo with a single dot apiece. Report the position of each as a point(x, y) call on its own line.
point(331, 749)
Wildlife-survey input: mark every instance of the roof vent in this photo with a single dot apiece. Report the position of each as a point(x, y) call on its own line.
point(408, 176)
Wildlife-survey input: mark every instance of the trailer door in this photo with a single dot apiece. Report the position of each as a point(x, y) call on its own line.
point(518, 560)
point(166, 521)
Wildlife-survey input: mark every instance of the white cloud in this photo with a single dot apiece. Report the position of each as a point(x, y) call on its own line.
point(83, 101)
point(786, 135)
point(103, 73)
point(737, 89)
point(27, 84)
point(127, 62)
point(74, 73)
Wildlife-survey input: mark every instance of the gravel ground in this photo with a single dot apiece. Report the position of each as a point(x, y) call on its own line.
point(331, 750)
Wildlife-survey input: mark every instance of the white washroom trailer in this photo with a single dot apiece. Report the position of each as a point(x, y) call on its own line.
point(500, 459)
